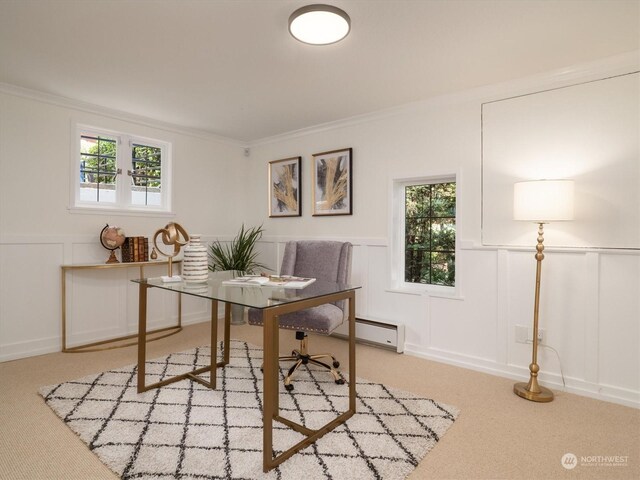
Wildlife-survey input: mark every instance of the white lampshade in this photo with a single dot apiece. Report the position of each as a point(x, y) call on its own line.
point(319, 24)
point(543, 201)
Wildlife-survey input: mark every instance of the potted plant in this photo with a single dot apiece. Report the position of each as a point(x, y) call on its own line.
point(240, 255)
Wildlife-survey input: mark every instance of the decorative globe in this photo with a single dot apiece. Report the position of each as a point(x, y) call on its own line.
point(112, 238)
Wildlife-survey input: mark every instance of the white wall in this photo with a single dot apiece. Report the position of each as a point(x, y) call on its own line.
point(589, 301)
point(586, 132)
point(38, 234)
point(590, 308)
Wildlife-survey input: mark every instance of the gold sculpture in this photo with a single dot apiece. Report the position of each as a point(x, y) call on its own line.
point(173, 234)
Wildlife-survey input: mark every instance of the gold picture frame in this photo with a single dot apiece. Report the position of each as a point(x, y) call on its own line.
point(284, 187)
point(332, 190)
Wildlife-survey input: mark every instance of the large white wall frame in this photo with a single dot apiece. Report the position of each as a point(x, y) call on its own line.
point(587, 132)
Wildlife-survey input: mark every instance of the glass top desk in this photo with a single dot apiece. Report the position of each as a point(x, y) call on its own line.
point(272, 301)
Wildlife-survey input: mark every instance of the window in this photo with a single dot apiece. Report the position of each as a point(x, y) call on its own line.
point(430, 234)
point(120, 172)
point(425, 233)
point(146, 175)
point(97, 169)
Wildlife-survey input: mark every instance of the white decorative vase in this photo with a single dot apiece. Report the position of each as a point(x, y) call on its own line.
point(195, 268)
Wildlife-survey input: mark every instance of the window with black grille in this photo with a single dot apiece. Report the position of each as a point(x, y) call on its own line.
point(98, 168)
point(120, 172)
point(146, 176)
point(430, 233)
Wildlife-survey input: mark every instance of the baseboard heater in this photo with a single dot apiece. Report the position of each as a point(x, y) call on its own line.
point(376, 333)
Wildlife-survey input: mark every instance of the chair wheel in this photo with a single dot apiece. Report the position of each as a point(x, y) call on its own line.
point(340, 381)
point(289, 387)
point(262, 369)
point(336, 364)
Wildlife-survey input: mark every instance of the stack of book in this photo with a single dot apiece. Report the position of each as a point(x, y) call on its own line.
point(135, 249)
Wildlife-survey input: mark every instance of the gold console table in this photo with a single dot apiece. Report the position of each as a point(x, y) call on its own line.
point(103, 344)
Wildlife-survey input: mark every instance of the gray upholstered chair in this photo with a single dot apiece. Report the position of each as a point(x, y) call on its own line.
point(322, 260)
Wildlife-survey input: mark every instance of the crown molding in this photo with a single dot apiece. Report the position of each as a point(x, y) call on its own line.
point(60, 101)
point(624, 63)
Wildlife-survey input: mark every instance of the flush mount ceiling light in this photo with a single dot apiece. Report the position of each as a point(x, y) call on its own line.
point(319, 24)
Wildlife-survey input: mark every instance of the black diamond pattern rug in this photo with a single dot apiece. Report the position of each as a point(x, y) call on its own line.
point(186, 431)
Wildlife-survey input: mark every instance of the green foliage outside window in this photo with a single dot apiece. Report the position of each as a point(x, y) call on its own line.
point(430, 233)
point(146, 166)
point(98, 161)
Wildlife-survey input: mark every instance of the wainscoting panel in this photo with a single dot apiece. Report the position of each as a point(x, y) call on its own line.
point(562, 313)
point(476, 327)
point(619, 325)
point(472, 314)
point(29, 276)
point(101, 304)
point(589, 308)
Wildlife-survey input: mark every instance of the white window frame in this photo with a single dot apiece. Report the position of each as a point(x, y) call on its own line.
point(397, 236)
point(122, 205)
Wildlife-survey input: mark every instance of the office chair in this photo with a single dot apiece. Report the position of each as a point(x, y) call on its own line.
point(322, 260)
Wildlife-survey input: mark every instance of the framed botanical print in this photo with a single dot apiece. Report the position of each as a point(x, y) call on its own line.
point(332, 186)
point(284, 187)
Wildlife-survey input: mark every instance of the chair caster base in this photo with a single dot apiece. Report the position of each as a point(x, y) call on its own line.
point(289, 387)
point(340, 381)
point(336, 364)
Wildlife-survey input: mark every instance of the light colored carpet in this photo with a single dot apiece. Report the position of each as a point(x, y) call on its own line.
point(185, 430)
point(498, 435)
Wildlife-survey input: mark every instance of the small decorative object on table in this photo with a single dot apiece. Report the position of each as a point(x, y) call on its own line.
point(239, 255)
point(173, 234)
point(195, 268)
point(112, 238)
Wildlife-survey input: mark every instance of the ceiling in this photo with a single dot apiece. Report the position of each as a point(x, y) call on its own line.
point(230, 67)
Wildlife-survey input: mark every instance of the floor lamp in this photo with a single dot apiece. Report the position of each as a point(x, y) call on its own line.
point(540, 201)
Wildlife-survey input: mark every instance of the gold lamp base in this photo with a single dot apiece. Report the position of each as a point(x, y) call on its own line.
point(543, 396)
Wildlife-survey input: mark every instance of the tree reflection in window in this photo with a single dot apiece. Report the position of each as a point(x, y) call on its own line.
point(430, 233)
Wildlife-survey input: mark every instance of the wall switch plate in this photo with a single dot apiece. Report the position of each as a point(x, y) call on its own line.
point(521, 334)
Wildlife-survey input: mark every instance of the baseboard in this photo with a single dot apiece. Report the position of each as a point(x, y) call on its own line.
point(43, 346)
point(607, 393)
point(31, 348)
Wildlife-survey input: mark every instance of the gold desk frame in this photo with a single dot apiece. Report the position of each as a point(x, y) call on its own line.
point(142, 345)
point(104, 344)
point(271, 339)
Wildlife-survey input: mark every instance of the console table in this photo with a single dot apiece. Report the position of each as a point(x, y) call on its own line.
point(103, 344)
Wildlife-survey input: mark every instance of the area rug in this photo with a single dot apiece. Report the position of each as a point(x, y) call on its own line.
point(186, 431)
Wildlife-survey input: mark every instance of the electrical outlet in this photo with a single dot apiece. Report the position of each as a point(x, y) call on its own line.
point(525, 334)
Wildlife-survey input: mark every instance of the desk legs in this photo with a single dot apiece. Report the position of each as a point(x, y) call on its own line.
point(142, 335)
point(227, 333)
point(213, 363)
point(271, 384)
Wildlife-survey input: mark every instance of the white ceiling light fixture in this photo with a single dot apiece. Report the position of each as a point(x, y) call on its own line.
point(319, 24)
